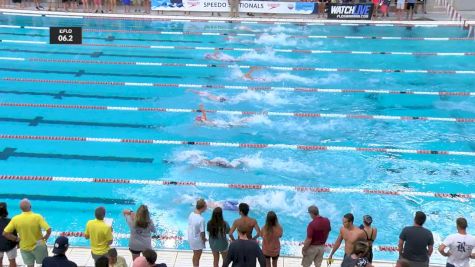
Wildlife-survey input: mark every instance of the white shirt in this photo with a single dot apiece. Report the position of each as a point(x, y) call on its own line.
point(460, 246)
point(196, 226)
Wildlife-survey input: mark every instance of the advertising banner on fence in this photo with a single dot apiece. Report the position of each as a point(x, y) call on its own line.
point(350, 11)
point(244, 6)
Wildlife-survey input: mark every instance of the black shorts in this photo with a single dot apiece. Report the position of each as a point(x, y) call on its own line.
point(410, 5)
point(274, 258)
point(135, 251)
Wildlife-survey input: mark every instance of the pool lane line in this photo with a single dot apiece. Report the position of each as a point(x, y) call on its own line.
point(257, 35)
point(246, 88)
point(99, 54)
point(235, 112)
point(237, 186)
point(290, 36)
point(81, 72)
point(63, 94)
point(10, 152)
point(96, 54)
point(99, 200)
point(381, 248)
point(112, 38)
point(210, 48)
point(276, 21)
point(232, 66)
point(38, 120)
point(235, 145)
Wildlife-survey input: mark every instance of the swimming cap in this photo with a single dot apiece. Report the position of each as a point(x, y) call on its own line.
point(198, 118)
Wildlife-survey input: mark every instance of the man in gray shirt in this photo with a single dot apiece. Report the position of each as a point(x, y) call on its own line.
point(416, 243)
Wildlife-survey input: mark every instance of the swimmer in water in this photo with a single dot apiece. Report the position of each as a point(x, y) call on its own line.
point(216, 162)
point(209, 96)
point(203, 119)
point(220, 56)
point(245, 28)
point(230, 205)
point(248, 75)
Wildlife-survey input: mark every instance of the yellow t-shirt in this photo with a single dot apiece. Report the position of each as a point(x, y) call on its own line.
point(100, 234)
point(28, 225)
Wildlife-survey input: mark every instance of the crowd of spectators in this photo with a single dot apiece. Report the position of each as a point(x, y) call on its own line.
point(29, 231)
point(381, 7)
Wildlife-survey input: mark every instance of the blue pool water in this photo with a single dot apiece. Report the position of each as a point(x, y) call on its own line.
point(67, 206)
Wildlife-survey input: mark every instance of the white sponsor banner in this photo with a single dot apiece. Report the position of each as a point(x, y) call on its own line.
point(244, 6)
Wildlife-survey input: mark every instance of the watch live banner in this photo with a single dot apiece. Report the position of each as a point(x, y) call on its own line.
point(244, 6)
point(350, 11)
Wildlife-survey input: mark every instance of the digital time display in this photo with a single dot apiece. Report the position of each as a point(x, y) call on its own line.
point(65, 35)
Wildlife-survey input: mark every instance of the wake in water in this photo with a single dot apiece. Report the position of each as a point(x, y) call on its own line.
point(197, 158)
point(255, 161)
point(265, 76)
point(265, 55)
point(466, 106)
point(280, 39)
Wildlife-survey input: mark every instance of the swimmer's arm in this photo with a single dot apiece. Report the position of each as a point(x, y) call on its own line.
point(337, 244)
point(231, 231)
point(203, 113)
point(258, 230)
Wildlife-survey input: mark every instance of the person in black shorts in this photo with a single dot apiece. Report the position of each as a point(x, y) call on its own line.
point(410, 9)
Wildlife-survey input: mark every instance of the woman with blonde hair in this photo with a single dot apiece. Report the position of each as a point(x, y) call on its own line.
point(141, 229)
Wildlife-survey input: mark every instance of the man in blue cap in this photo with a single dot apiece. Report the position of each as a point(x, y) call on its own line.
point(59, 259)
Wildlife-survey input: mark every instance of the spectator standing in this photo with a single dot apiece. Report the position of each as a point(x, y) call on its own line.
point(247, 222)
point(115, 260)
point(317, 234)
point(141, 229)
point(244, 252)
point(99, 233)
point(371, 233)
point(7, 247)
point(85, 5)
point(350, 234)
point(151, 258)
point(98, 6)
point(28, 226)
point(271, 234)
point(137, 4)
point(59, 259)
point(460, 246)
point(411, 4)
point(196, 231)
point(416, 243)
point(358, 257)
point(234, 8)
point(400, 8)
point(384, 7)
point(218, 230)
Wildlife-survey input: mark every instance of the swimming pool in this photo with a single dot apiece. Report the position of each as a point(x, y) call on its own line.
point(340, 116)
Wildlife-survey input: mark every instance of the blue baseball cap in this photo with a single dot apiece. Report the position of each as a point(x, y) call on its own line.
point(61, 245)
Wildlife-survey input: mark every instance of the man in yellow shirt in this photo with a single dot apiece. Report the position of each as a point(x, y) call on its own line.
point(28, 226)
point(99, 234)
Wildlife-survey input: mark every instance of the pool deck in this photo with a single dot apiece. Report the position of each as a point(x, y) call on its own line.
point(82, 257)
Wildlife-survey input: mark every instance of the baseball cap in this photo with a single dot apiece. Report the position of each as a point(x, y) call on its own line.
point(61, 245)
